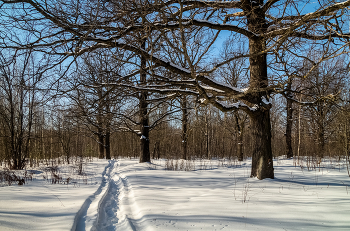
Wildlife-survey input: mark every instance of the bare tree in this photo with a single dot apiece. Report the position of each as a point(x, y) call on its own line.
point(97, 103)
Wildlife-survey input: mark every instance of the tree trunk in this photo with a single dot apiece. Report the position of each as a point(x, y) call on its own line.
point(289, 123)
point(145, 155)
point(108, 130)
point(101, 147)
point(207, 153)
point(108, 144)
point(262, 161)
point(240, 138)
point(299, 130)
point(184, 121)
point(321, 140)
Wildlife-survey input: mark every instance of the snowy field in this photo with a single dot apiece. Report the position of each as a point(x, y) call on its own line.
point(215, 195)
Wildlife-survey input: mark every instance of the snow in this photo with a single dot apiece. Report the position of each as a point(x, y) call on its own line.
point(102, 44)
point(170, 63)
point(265, 101)
point(212, 89)
point(235, 89)
point(244, 90)
point(171, 95)
point(202, 100)
point(214, 195)
point(143, 137)
point(178, 67)
point(40, 205)
point(238, 105)
point(255, 107)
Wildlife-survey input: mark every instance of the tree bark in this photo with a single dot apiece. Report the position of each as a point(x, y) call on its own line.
point(145, 155)
point(108, 144)
point(207, 148)
point(289, 123)
point(262, 160)
point(144, 140)
point(101, 147)
point(321, 139)
point(108, 130)
point(240, 138)
point(184, 121)
point(100, 122)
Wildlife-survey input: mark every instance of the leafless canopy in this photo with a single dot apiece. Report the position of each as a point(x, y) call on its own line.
point(72, 28)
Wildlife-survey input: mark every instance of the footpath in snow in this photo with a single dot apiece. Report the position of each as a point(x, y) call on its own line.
point(214, 195)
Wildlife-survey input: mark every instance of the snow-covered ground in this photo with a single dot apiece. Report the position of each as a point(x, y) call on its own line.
point(215, 195)
point(41, 205)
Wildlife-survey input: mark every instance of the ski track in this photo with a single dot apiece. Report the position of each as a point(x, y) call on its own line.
point(112, 206)
point(129, 213)
point(87, 214)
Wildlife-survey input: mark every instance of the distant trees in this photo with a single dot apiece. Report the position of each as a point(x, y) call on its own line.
point(324, 90)
point(19, 80)
point(65, 134)
point(97, 105)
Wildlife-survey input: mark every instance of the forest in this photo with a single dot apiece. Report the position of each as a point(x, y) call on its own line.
point(174, 80)
point(142, 115)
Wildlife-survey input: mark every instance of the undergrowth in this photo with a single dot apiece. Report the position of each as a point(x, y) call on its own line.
point(51, 171)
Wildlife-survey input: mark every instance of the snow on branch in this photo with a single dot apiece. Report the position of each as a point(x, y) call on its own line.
point(225, 107)
point(128, 129)
point(166, 97)
point(218, 87)
point(331, 98)
point(212, 89)
point(160, 89)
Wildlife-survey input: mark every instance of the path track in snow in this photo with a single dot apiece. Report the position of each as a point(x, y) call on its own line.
point(87, 214)
point(129, 214)
point(112, 206)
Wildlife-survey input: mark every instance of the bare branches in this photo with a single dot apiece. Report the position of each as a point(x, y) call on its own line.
point(114, 26)
point(302, 20)
point(222, 87)
point(269, 4)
